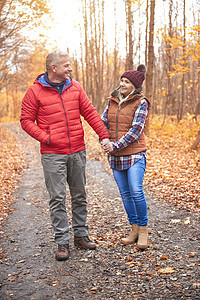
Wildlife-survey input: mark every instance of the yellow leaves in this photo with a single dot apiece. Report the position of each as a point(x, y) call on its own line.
point(190, 117)
point(162, 92)
point(189, 49)
point(175, 43)
point(172, 171)
point(180, 68)
point(11, 165)
point(136, 2)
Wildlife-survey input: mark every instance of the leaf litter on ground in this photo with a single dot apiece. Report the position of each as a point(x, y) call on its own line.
point(162, 270)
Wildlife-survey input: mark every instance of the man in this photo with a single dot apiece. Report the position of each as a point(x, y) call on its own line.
point(56, 102)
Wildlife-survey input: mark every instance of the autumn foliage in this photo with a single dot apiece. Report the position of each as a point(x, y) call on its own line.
point(11, 166)
point(173, 169)
point(172, 172)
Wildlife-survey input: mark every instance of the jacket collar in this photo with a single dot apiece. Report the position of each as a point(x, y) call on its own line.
point(43, 79)
point(115, 95)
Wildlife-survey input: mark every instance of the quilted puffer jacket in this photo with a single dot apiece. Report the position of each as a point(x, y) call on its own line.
point(55, 120)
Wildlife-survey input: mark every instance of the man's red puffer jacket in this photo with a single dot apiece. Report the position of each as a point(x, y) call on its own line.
point(48, 116)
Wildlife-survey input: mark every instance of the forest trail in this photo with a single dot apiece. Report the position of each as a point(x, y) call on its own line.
point(168, 269)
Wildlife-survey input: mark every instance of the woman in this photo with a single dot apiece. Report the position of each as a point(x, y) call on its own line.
point(125, 117)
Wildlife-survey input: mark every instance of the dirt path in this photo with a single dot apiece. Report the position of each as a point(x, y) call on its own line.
point(168, 269)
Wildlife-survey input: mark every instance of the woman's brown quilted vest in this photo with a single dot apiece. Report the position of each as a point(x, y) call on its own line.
point(120, 118)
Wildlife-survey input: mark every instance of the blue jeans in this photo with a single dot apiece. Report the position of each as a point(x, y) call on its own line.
point(130, 184)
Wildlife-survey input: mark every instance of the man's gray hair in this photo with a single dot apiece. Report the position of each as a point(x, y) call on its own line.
point(54, 58)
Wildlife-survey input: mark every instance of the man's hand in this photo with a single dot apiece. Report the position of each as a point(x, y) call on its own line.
point(104, 142)
point(107, 145)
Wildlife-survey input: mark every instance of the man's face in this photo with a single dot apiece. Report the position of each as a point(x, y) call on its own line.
point(62, 70)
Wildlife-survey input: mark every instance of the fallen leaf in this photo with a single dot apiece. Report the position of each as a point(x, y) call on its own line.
point(187, 221)
point(167, 270)
point(94, 288)
point(20, 261)
point(192, 254)
point(174, 221)
point(164, 257)
point(83, 259)
point(191, 265)
point(196, 284)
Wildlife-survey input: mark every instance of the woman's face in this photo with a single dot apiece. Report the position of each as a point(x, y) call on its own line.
point(126, 87)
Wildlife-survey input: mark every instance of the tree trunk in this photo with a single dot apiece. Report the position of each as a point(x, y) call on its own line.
point(149, 75)
point(196, 142)
point(129, 36)
point(146, 38)
point(197, 108)
point(115, 71)
point(86, 46)
point(180, 111)
point(170, 68)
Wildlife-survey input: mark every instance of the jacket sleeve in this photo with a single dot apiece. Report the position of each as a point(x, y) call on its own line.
point(90, 114)
point(104, 116)
point(29, 113)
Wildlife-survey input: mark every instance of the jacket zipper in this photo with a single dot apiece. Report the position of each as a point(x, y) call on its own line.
point(49, 133)
point(66, 123)
point(117, 124)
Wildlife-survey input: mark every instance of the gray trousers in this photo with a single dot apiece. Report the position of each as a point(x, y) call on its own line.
point(60, 169)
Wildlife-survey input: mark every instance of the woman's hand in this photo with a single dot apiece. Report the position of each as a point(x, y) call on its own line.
point(107, 145)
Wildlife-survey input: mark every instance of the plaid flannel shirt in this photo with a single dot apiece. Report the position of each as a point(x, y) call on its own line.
point(126, 161)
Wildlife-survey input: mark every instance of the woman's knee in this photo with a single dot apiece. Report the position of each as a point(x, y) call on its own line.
point(138, 195)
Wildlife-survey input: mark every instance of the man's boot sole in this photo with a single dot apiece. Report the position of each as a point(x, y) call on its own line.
point(84, 248)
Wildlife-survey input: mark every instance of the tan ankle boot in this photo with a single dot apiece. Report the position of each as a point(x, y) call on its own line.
point(142, 242)
point(132, 237)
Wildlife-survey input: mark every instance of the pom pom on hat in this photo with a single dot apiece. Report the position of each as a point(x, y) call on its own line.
point(136, 77)
point(141, 68)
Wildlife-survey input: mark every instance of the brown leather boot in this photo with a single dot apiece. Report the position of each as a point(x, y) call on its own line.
point(63, 252)
point(142, 242)
point(83, 242)
point(132, 237)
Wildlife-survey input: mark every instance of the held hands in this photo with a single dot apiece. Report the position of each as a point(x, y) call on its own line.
point(107, 145)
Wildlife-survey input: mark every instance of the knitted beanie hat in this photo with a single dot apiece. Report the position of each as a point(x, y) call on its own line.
point(136, 77)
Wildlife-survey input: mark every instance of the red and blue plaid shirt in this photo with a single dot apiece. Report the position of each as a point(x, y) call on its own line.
point(126, 161)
